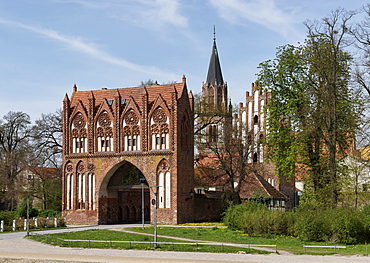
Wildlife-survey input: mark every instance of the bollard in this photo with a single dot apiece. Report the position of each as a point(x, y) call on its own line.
point(47, 222)
point(2, 226)
point(36, 223)
point(14, 225)
point(25, 224)
point(56, 222)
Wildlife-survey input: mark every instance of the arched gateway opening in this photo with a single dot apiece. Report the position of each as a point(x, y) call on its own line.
point(124, 195)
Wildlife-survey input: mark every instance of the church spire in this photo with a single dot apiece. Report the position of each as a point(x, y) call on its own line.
point(214, 75)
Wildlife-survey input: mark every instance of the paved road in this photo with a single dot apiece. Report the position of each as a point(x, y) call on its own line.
point(14, 246)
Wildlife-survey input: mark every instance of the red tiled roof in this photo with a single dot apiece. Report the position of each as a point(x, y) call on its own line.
point(270, 190)
point(43, 171)
point(125, 93)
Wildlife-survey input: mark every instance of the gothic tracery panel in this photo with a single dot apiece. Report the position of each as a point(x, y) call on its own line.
point(131, 131)
point(164, 183)
point(79, 134)
point(159, 130)
point(104, 132)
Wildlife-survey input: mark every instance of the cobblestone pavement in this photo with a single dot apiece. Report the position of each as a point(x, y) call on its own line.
point(14, 248)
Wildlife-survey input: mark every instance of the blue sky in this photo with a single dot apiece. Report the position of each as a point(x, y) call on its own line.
point(49, 45)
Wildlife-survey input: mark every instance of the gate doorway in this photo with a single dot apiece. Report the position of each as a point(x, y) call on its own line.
point(125, 188)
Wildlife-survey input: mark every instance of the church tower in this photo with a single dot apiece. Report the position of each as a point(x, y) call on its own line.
point(214, 95)
point(214, 90)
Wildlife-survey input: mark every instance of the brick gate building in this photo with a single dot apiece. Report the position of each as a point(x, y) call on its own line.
point(114, 137)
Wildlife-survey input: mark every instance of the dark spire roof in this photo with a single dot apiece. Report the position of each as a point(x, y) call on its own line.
point(214, 70)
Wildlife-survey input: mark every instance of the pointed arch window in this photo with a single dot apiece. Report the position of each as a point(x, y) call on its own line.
point(261, 148)
point(164, 183)
point(104, 133)
point(69, 181)
point(185, 131)
point(85, 188)
point(131, 132)
point(79, 134)
point(159, 127)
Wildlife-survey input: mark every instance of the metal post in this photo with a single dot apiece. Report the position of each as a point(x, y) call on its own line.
point(155, 220)
point(142, 205)
point(28, 213)
point(142, 181)
point(154, 203)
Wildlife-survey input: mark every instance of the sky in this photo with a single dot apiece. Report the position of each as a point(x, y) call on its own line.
point(47, 46)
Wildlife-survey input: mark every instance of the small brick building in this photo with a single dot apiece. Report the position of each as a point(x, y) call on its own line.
point(114, 137)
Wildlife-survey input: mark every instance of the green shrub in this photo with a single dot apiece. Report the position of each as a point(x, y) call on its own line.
point(312, 225)
point(309, 223)
point(339, 225)
point(49, 213)
point(22, 210)
point(256, 219)
point(347, 226)
point(7, 216)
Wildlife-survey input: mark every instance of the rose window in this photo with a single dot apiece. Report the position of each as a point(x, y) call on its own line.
point(159, 116)
point(131, 118)
point(79, 122)
point(104, 120)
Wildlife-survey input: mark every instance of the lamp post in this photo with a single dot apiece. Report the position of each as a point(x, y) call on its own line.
point(142, 181)
point(154, 203)
point(28, 212)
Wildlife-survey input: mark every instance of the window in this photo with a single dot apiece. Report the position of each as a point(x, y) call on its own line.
point(131, 131)
point(159, 130)
point(79, 134)
point(255, 120)
point(104, 132)
point(164, 183)
point(255, 157)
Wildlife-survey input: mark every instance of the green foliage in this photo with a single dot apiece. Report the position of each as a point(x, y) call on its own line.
point(49, 213)
point(339, 225)
point(312, 225)
point(256, 219)
point(309, 223)
point(7, 216)
point(149, 82)
point(22, 210)
point(313, 112)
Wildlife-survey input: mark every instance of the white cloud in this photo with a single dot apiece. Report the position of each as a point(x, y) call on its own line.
point(263, 12)
point(77, 44)
point(143, 13)
point(154, 14)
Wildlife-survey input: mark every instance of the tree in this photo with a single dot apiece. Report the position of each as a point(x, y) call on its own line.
point(149, 82)
point(47, 139)
point(15, 152)
point(313, 112)
point(361, 34)
point(354, 179)
point(361, 39)
point(206, 115)
point(47, 142)
point(224, 156)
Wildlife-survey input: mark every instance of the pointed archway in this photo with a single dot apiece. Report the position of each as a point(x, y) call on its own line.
point(123, 201)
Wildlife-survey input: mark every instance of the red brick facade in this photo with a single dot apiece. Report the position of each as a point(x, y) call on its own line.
point(108, 132)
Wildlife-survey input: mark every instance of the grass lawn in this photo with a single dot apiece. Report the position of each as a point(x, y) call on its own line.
point(216, 233)
point(109, 235)
point(291, 244)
